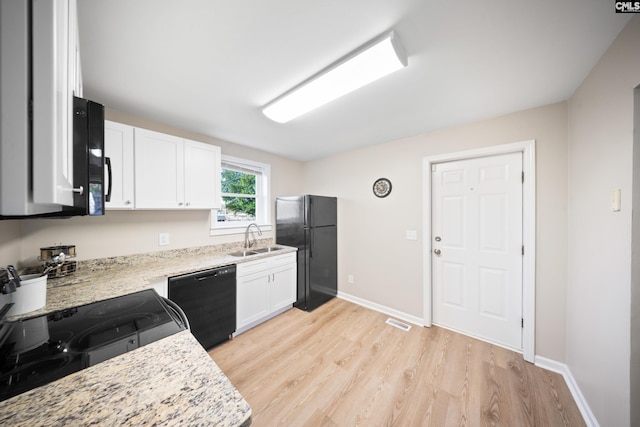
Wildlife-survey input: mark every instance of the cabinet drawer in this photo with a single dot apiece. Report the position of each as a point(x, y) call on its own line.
point(285, 259)
point(264, 264)
point(244, 268)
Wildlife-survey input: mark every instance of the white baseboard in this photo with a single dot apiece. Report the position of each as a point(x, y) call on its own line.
point(382, 309)
point(563, 369)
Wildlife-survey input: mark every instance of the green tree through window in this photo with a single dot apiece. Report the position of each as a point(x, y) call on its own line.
point(239, 192)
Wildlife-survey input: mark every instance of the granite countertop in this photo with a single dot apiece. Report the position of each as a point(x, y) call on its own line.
point(97, 280)
point(169, 382)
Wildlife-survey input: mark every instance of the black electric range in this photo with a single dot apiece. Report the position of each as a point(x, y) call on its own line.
point(39, 350)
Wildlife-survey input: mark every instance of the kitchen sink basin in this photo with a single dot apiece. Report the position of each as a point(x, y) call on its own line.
point(247, 252)
point(269, 249)
point(241, 254)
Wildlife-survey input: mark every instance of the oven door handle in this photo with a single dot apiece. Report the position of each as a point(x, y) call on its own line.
point(178, 312)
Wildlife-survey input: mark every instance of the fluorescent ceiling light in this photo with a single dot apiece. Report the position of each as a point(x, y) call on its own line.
point(381, 56)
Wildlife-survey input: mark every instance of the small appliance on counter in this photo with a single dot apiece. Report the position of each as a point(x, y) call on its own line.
point(42, 349)
point(56, 260)
point(21, 294)
point(29, 295)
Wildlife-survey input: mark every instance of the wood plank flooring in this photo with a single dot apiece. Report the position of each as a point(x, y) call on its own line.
point(342, 365)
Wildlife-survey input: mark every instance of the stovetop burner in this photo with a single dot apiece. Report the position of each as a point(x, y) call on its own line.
point(42, 349)
point(118, 305)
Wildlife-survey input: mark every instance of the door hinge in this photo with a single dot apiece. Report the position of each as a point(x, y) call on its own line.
point(523, 177)
point(522, 323)
point(522, 250)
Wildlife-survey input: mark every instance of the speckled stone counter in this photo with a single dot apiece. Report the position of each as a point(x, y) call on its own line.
point(166, 383)
point(97, 280)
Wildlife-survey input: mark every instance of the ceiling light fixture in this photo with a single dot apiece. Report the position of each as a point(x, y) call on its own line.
point(375, 59)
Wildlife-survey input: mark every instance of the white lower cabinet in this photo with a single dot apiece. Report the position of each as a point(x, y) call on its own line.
point(161, 286)
point(265, 287)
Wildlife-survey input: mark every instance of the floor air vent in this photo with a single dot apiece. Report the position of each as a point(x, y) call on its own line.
point(397, 324)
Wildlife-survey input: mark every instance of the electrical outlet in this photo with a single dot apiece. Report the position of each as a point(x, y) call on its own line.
point(350, 278)
point(412, 235)
point(163, 239)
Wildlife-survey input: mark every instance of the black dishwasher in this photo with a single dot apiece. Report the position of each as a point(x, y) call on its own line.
point(208, 298)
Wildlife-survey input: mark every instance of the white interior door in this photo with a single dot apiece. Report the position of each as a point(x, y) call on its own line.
point(477, 247)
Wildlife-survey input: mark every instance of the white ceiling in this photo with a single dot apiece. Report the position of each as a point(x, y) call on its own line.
point(208, 66)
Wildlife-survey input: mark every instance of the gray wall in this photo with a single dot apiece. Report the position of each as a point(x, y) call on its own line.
point(599, 240)
point(635, 269)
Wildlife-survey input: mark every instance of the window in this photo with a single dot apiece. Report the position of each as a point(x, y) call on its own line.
point(245, 196)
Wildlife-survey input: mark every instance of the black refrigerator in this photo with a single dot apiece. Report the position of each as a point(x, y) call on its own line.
point(309, 223)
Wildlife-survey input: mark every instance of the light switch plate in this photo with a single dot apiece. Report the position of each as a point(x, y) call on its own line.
point(412, 235)
point(616, 200)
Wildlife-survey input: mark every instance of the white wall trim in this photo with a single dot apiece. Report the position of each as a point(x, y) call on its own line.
point(381, 309)
point(561, 368)
point(527, 148)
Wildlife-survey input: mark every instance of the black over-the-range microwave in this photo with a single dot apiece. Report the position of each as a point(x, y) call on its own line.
point(89, 161)
point(89, 164)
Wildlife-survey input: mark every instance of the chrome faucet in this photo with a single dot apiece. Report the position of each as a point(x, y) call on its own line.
point(247, 243)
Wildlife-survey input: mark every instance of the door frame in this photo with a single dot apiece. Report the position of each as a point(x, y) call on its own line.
point(527, 148)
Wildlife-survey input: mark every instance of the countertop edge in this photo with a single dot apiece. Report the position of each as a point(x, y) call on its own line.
point(171, 375)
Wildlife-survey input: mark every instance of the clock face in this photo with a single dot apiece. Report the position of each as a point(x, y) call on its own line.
point(382, 187)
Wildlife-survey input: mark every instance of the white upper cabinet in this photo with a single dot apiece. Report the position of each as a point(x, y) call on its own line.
point(118, 149)
point(201, 175)
point(56, 79)
point(174, 173)
point(159, 170)
point(39, 75)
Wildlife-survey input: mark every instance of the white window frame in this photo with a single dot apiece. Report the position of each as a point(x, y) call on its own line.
point(263, 199)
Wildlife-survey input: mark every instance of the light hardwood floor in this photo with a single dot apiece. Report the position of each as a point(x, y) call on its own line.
point(342, 365)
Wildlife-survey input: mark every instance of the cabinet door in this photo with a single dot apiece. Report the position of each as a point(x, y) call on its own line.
point(52, 109)
point(282, 291)
point(159, 170)
point(118, 147)
point(201, 175)
point(252, 298)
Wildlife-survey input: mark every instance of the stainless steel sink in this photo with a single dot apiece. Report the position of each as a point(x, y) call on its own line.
point(241, 254)
point(269, 249)
point(247, 252)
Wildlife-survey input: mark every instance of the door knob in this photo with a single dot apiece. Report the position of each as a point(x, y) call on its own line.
point(437, 251)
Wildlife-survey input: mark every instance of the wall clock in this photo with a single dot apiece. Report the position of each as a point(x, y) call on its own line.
point(382, 187)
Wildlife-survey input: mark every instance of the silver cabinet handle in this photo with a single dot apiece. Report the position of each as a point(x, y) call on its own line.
point(437, 251)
